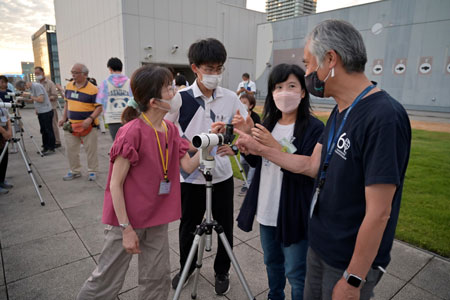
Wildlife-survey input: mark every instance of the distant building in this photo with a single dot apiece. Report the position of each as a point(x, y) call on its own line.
point(284, 9)
point(45, 49)
point(28, 70)
point(155, 32)
point(407, 44)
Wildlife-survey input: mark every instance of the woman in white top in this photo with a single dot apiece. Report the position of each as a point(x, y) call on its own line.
point(280, 199)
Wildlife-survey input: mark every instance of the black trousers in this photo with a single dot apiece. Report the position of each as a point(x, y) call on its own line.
point(193, 204)
point(3, 165)
point(48, 136)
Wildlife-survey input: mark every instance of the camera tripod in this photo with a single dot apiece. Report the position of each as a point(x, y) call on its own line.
point(204, 231)
point(18, 141)
point(239, 165)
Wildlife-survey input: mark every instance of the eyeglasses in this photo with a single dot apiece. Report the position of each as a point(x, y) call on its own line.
point(75, 73)
point(209, 70)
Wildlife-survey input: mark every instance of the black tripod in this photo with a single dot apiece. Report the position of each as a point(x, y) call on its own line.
point(16, 141)
point(204, 230)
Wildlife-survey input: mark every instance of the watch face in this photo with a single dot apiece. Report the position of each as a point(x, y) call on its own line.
point(354, 281)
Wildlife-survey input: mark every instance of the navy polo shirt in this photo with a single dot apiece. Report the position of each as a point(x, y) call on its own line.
point(373, 148)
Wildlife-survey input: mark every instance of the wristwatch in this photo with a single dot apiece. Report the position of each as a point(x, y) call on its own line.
point(124, 226)
point(353, 280)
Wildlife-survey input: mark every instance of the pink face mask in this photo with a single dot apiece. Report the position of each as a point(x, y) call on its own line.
point(287, 101)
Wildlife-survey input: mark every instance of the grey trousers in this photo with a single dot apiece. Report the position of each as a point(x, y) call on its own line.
point(321, 279)
point(153, 264)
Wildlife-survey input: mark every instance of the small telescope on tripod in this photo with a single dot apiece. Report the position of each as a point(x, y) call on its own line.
point(205, 142)
point(12, 105)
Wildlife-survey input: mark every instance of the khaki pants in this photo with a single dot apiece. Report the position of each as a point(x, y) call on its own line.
point(73, 150)
point(153, 265)
point(55, 127)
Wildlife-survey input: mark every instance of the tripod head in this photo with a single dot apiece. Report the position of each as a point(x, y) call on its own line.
point(205, 142)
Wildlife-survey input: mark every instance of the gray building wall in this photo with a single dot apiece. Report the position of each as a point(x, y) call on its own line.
point(407, 44)
point(146, 31)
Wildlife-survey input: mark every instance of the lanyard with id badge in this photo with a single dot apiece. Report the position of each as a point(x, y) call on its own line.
point(164, 185)
point(331, 145)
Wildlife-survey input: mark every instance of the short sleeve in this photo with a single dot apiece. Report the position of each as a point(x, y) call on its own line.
point(183, 146)
point(380, 156)
point(37, 90)
point(124, 148)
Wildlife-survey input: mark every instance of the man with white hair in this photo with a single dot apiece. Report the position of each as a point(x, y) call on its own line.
point(81, 110)
point(359, 162)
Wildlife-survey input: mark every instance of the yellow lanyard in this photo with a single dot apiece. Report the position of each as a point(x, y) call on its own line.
point(164, 164)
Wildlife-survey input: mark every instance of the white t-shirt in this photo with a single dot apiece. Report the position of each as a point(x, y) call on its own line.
point(270, 182)
point(249, 86)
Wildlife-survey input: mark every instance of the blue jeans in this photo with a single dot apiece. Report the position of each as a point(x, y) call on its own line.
point(282, 262)
point(249, 171)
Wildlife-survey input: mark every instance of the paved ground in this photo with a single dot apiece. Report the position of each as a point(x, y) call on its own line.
point(47, 252)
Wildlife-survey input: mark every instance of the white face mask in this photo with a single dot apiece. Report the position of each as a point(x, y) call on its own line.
point(39, 77)
point(174, 104)
point(211, 82)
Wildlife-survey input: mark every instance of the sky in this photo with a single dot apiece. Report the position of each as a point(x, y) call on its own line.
point(22, 18)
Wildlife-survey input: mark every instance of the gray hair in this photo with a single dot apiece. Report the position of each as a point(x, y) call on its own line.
point(21, 85)
point(84, 69)
point(341, 37)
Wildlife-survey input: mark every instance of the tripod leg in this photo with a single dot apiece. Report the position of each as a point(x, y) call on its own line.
point(187, 266)
point(241, 170)
point(37, 147)
point(198, 266)
point(234, 261)
point(31, 174)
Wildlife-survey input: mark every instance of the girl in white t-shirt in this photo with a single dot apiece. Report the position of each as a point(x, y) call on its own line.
point(280, 199)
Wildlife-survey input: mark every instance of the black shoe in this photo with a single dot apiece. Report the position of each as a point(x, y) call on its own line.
point(48, 152)
point(222, 284)
point(176, 280)
point(57, 145)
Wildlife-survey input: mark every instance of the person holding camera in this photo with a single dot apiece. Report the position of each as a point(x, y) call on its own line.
point(246, 86)
point(278, 198)
point(44, 111)
point(205, 102)
point(143, 190)
point(81, 111)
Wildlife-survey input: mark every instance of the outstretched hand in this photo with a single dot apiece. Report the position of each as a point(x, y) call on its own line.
point(247, 144)
point(242, 124)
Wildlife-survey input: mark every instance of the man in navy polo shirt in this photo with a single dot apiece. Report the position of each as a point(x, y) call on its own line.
point(359, 162)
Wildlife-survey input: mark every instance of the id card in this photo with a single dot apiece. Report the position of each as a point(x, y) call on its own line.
point(287, 146)
point(74, 95)
point(164, 187)
point(314, 202)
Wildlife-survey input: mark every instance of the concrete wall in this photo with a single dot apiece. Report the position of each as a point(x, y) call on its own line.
point(163, 24)
point(89, 32)
point(396, 32)
point(126, 29)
